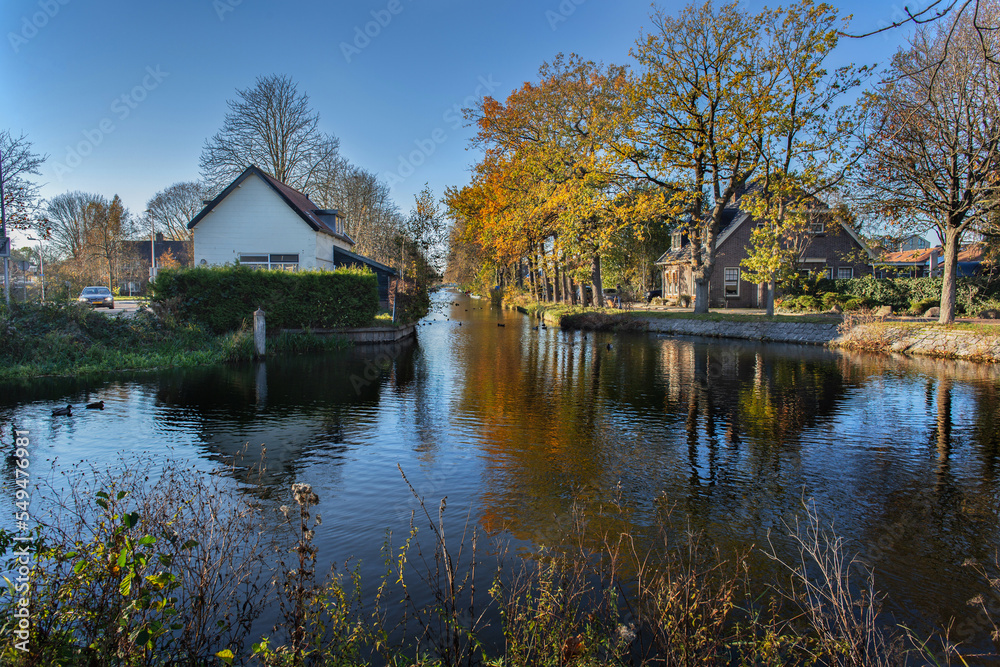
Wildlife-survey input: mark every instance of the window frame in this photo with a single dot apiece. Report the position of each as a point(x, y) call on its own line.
point(727, 283)
point(276, 261)
point(841, 269)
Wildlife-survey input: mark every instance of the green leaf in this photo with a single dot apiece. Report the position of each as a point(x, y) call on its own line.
point(125, 588)
point(131, 519)
point(226, 656)
point(148, 539)
point(123, 557)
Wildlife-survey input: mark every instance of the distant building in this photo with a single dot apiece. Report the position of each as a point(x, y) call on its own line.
point(134, 272)
point(835, 250)
point(928, 262)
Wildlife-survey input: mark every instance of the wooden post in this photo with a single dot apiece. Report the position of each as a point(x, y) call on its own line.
point(259, 332)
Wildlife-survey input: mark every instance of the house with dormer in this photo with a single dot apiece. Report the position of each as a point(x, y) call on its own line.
point(834, 250)
point(260, 222)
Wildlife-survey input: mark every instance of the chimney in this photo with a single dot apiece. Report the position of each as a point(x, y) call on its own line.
point(159, 237)
point(933, 261)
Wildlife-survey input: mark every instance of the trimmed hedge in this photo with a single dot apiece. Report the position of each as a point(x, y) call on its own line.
point(223, 298)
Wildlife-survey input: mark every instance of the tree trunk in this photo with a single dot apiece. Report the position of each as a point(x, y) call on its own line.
point(595, 279)
point(532, 280)
point(583, 295)
point(700, 279)
point(951, 240)
point(567, 287)
point(556, 279)
point(770, 297)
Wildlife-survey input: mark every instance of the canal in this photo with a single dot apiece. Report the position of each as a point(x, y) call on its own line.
point(519, 424)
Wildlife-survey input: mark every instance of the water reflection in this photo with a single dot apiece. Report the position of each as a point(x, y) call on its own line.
point(518, 425)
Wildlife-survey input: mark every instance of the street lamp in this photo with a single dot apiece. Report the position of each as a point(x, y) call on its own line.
point(41, 265)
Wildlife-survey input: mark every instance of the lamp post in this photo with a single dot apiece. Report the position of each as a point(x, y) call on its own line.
point(41, 265)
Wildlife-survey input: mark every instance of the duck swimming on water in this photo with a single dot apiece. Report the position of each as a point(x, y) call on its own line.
point(99, 405)
point(63, 412)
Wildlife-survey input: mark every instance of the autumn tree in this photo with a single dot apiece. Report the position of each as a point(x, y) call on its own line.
point(272, 126)
point(935, 136)
point(546, 144)
point(170, 210)
point(722, 98)
point(110, 224)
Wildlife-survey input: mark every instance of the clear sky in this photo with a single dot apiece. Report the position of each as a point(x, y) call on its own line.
point(122, 95)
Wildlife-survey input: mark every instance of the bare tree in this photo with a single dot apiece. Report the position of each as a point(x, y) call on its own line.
point(272, 126)
point(170, 210)
point(20, 195)
point(935, 138)
point(67, 218)
point(373, 219)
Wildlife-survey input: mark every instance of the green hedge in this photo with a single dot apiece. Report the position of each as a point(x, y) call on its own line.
point(973, 293)
point(223, 298)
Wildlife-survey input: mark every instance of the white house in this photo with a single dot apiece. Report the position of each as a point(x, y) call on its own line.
point(261, 222)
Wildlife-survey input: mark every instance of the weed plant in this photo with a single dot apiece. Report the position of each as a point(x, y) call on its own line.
point(177, 570)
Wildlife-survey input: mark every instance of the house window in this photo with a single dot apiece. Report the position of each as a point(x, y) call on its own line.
point(273, 262)
point(732, 276)
point(675, 241)
point(845, 272)
point(817, 226)
point(828, 273)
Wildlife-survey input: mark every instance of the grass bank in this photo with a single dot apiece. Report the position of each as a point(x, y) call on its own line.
point(154, 582)
point(73, 339)
point(615, 319)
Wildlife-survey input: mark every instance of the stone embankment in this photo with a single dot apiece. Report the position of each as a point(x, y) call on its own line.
point(929, 341)
point(777, 332)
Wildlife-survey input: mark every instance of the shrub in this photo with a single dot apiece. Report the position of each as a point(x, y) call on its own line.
point(684, 300)
point(223, 298)
point(831, 299)
point(919, 307)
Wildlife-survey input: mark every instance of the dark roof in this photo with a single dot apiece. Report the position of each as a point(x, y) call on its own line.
point(178, 249)
point(297, 201)
point(341, 256)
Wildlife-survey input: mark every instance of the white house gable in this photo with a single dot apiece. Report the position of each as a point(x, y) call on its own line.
point(252, 223)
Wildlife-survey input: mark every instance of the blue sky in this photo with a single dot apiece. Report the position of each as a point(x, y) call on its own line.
point(122, 95)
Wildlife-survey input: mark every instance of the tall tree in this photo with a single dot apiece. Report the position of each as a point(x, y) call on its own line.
point(272, 126)
point(935, 137)
point(722, 98)
point(109, 226)
point(170, 210)
point(68, 217)
point(20, 193)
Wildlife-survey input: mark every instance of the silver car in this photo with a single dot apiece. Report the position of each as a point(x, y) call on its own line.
point(97, 297)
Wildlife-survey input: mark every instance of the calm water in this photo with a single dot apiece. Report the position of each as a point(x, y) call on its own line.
point(514, 424)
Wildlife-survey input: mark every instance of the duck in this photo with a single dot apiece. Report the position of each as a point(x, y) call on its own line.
point(501, 324)
point(609, 347)
point(98, 405)
point(63, 412)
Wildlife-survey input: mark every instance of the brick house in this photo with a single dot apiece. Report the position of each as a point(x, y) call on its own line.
point(833, 249)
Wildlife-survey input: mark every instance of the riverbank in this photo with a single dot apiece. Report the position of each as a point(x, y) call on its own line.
point(74, 340)
point(862, 331)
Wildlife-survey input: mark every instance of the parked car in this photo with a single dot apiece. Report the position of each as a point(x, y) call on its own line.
point(97, 297)
point(653, 294)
